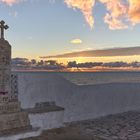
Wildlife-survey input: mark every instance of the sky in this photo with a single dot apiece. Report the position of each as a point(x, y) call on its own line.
point(50, 27)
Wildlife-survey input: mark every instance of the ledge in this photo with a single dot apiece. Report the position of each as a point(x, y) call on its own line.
point(44, 108)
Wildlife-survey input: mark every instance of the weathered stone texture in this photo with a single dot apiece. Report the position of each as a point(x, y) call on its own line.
point(5, 67)
point(10, 107)
point(8, 98)
point(13, 120)
point(12, 117)
point(11, 114)
point(14, 85)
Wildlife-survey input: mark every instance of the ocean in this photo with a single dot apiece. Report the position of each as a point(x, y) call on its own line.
point(93, 78)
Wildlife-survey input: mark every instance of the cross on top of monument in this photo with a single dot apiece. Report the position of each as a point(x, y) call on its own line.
point(2, 27)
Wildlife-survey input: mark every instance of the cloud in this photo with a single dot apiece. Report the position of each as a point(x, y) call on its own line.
point(116, 15)
point(120, 14)
point(76, 41)
point(134, 11)
point(9, 2)
point(86, 7)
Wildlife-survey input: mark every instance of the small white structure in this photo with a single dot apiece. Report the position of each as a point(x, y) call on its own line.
point(46, 116)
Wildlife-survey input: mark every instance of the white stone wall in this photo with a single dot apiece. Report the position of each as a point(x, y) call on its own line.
point(80, 102)
point(47, 120)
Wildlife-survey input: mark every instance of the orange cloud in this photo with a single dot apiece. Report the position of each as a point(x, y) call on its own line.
point(116, 14)
point(120, 13)
point(86, 7)
point(134, 11)
point(9, 2)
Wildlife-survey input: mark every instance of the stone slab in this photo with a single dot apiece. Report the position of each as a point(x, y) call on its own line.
point(14, 120)
point(8, 98)
point(10, 107)
point(44, 107)
point(22, 134)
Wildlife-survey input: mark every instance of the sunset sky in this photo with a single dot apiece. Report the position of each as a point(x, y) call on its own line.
point(49, 27)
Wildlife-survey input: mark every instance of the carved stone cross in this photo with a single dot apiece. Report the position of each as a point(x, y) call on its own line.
point(2, 27)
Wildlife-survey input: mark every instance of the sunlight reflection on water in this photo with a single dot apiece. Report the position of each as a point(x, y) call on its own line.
point(99, 59)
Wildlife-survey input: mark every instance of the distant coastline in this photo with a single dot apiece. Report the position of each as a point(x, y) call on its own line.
point(99, 69)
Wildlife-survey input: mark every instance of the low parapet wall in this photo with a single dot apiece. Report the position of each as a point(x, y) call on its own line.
point(80, 102)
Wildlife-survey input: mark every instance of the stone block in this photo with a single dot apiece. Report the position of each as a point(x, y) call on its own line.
point(14, 84)
point(47, 120)
point(13, 121)
point(10, 107)
point(8, 98)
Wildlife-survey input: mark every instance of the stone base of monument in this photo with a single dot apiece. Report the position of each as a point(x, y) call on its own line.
point(17, 134)
point(14, 122)
point(46, 116)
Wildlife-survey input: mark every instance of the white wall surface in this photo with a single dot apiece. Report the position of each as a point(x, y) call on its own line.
point(80, 102)
point(47, 120)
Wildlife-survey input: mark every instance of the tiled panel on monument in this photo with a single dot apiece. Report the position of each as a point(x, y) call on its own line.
point(11, 114)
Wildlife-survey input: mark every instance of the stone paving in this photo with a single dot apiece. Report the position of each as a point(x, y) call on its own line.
point(125, 126)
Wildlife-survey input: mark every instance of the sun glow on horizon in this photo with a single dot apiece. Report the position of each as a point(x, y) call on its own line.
point(128, 59)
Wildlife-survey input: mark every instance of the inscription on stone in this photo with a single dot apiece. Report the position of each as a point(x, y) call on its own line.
point(8, 98)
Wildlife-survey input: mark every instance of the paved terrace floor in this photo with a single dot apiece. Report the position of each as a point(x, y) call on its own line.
point(124, 126)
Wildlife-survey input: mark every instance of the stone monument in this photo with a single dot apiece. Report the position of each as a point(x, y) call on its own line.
point(12, 117)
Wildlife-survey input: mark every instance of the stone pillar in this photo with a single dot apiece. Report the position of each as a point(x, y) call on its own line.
point(5, 67)
point(11, 114)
